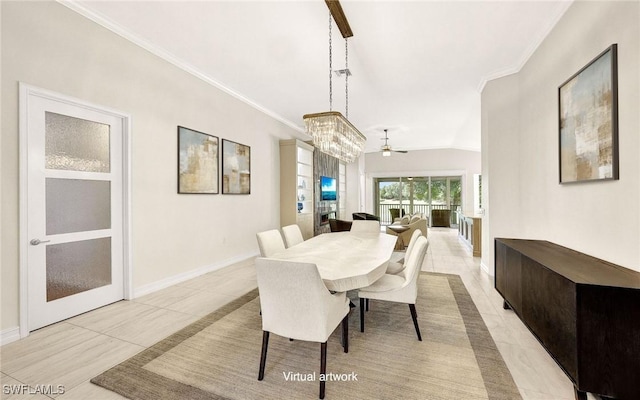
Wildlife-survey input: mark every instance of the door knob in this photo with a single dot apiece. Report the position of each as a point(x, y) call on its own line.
point(35, 242)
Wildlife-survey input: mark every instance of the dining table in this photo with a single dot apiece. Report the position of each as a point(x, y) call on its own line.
point(345, 260)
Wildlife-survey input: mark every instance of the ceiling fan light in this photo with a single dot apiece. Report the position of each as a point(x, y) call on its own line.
point(386, 153)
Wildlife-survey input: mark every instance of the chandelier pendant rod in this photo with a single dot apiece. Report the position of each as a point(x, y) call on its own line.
point(330, 66)
point(346, 78)
point(332, 133)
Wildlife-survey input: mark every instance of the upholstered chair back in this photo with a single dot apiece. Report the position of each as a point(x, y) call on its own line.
point(270, 242)
point(295, 302)
point(412, 242)
point(292, 235)
point(365, 226)
point(338, 225)
point(412, 269)
point(399, 288)
point(403, 287)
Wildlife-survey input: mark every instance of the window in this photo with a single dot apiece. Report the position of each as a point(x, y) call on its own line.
point(410, 195)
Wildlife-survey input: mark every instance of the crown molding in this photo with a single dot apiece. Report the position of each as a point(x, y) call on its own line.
point(170, 58)
point(533, 46)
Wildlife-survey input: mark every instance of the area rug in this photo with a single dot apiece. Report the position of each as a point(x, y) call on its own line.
point(217, 356)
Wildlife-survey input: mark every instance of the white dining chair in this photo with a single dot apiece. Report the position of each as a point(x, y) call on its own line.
point(292, 235)
point(297, 305)
point(395, 268)
point(365, 226)
point(401, 288)
point(270, 242)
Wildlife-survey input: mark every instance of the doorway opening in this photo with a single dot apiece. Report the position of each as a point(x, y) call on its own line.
point(74, 207)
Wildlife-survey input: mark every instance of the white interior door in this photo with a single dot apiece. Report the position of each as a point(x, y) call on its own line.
point(74, 208)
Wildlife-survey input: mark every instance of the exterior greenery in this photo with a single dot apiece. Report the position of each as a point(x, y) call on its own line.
point(393, 191)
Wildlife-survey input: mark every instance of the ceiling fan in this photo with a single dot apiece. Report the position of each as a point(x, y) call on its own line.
point(386, 149)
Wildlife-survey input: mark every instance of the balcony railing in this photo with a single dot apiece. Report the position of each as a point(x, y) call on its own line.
point(385, 214)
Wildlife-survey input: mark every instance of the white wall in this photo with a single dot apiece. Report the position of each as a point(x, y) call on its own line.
point(520, 112)
point(47, 45)
point(355, 170)
point(500, 164)
point(440, 162)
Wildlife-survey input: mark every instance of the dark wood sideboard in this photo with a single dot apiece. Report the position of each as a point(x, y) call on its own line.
point(583, 310)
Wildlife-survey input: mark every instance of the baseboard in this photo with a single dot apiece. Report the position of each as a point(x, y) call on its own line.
point(9, 335)
point(485, 268)
point(12, 334)
point(185, 276)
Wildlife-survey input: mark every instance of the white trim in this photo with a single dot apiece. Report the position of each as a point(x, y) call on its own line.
point(484, 267)
point(1, 185)
point(185, 276)
point(26, 90)
point(498, 74)
point(9, 335)
point(170, 58)
point(533, 46)
point(23, 193)
point(127, 207)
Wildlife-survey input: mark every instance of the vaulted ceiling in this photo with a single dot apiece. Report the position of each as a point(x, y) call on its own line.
point(418, 66)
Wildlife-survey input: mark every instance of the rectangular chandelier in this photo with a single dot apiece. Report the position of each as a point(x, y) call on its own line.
point(333, 134)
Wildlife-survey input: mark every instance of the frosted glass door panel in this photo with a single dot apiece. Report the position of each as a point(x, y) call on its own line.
point(76, 144)
point(77, 267)
point(75, 205)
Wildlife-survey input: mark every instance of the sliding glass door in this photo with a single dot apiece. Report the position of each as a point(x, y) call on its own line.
point(389, 199)
point(398, 196)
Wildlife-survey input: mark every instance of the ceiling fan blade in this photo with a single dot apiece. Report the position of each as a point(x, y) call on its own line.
point(386, 146)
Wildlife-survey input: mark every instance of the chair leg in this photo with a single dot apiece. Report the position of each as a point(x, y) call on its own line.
point(263, 356)
point(361, 314)
point(414, 315)
point(345, 333)
point(366, 302)
point(323, 367)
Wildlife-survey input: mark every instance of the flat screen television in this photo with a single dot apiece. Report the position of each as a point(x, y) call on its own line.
point(327, 188)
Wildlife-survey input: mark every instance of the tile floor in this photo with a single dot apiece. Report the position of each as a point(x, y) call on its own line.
point(71, 352)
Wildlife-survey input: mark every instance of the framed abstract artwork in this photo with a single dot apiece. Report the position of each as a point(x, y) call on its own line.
point(236, 168)
point(588, 121)
point(197, 162)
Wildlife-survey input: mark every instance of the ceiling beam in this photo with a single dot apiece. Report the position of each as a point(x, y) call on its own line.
point(338, 15)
